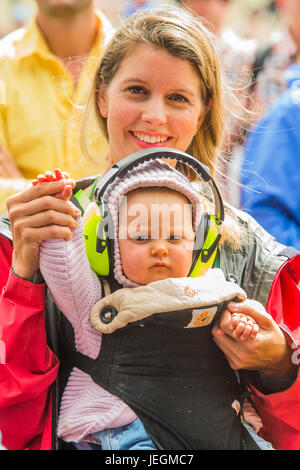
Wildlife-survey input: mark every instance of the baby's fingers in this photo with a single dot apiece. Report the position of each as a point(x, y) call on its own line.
point(39, 179)
point(46, 177)
point(246, 332)
point(50, 176)
point(57, 175)
point(235, 319)
point(240, 329)
point(255, 330)
point(60, 175)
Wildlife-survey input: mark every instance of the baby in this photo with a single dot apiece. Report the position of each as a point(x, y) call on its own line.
point(150, 248)
point(242, 326)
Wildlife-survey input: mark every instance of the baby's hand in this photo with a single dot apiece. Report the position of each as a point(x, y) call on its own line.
point(57, 175)
point(243, 326)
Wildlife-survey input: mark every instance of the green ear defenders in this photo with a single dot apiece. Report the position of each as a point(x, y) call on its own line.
point(98, 224)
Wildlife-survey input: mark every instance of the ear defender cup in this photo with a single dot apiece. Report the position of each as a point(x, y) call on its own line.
point(98, 237)
point(206, 242)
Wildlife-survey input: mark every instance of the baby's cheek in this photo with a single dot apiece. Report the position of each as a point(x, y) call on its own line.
point(133, 260)
point(183, 260)
point(126, 254)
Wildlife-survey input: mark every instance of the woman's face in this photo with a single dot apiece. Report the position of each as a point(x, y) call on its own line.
point(152, 101)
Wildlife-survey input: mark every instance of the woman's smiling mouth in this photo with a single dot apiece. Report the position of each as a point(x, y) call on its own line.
point(150, 139)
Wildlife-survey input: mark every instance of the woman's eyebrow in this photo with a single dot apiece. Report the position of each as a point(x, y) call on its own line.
point(133, 80)
point(138, 80)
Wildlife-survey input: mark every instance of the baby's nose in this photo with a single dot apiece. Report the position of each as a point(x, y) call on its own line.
point(160, 251)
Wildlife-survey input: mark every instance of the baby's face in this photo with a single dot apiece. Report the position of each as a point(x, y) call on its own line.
point(156, 235)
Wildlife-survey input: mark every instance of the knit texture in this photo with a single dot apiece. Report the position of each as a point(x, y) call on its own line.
point(85, 407)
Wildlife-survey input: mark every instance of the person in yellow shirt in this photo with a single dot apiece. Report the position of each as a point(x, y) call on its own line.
point(46, 71)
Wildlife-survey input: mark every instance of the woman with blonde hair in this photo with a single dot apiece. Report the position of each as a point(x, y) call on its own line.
point(159, 84)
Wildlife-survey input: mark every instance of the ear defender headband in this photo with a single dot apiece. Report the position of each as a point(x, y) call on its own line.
point(98, 223)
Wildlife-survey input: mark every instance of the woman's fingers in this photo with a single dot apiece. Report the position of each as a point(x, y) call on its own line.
point(35, 192)
point(253, 309)
point(267, 352)
point(36, 215)
point(45, 218)
point(27, 243)
point(22, 207)
point(66, 193)
point(36, 235)
point(57, 175)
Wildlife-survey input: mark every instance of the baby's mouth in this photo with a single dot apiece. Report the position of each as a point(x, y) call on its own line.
point(159, 264)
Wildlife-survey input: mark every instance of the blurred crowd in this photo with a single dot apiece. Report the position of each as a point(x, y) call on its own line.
point(250, 18)
point(258, 41)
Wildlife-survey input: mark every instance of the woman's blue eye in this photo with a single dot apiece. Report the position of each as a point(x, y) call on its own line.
point(179, 98)
point(136, 90)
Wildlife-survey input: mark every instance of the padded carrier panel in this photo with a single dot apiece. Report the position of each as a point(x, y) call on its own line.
point(176, 380)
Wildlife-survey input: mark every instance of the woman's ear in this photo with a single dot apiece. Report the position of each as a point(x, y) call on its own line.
point(102, 99)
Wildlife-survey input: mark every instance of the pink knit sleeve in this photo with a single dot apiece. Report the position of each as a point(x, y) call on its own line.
point(75, 288)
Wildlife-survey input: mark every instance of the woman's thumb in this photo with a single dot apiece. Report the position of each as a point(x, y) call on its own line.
point(254, 309)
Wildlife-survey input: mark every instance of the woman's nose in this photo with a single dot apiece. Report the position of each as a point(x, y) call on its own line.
point(154, 112)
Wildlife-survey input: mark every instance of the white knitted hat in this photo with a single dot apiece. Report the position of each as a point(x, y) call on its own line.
point(154, 173)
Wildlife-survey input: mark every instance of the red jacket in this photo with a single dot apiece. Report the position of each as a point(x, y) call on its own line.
point(280, 412)
point(27, 366)
point(30, 366)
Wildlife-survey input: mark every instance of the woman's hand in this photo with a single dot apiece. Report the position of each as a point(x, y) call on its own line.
point(268, 352)
point(36, 215)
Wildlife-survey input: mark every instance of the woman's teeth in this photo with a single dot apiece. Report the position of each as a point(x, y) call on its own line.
point(150, 139)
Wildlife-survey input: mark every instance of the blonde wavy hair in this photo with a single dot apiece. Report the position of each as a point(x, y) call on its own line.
point(181, 34)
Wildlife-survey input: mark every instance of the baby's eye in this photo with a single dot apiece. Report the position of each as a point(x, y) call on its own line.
point(174, 237)
point(139, 238)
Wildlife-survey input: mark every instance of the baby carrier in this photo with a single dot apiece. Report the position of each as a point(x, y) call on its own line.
point(170, 373)
point(166, 366)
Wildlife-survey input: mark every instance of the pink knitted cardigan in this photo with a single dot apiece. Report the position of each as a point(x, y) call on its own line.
point(85, 407)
